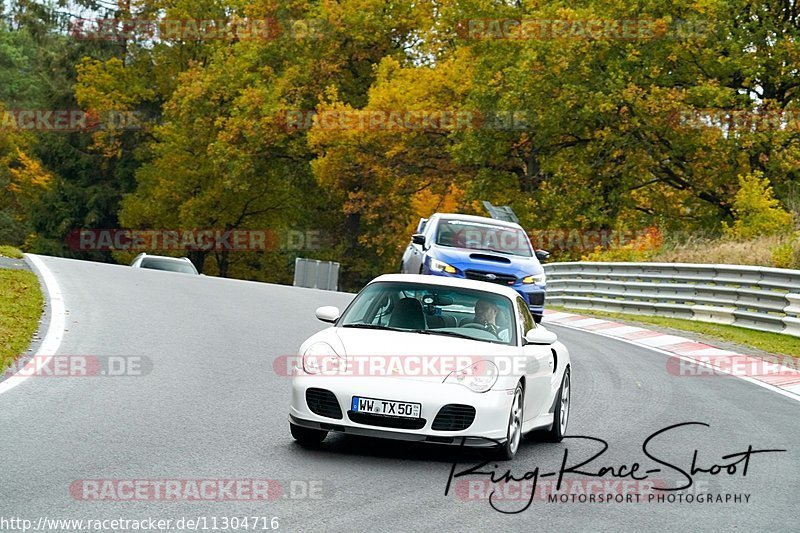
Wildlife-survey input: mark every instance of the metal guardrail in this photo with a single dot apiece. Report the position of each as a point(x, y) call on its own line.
point(761, 298)
point(315, 274)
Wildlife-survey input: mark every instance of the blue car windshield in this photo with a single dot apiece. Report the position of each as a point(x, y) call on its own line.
point(479, 236)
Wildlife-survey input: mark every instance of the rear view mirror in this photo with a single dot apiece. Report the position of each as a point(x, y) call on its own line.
point(418, 238)
point(540, 335)
point(437, 299)
point(542, 255)
point(328, 313)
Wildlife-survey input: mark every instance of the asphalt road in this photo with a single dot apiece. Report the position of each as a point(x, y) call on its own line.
point(213, 407)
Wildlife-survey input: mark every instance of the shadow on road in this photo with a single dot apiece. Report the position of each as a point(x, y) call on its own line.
point(356, 445)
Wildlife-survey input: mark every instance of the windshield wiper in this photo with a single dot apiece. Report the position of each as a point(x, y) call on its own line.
point(448, 333)
point(371, 326)
point(423, 331)
point(454, 334)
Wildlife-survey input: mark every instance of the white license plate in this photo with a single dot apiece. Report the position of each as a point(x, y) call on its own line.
point(386, 407)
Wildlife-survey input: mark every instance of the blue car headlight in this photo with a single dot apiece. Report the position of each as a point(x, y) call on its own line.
point(538, 279)
point(440, 266)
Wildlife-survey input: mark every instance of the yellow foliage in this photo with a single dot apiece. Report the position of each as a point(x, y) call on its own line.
point(29, 178)
point(756, 210)
point(426, 202)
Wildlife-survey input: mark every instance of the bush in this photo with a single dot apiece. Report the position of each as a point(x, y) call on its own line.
point(756, 211)
point(642, 248)
point(787, 254)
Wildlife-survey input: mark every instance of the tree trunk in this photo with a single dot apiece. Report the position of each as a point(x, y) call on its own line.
point(223, 262)
point(198, 259)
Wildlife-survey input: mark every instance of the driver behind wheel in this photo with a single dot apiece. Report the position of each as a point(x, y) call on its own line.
point(486, 315)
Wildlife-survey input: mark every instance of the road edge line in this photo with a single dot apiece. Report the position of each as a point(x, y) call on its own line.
point(55, 327)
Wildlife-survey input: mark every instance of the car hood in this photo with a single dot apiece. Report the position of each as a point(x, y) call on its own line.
point(409, 349)
point(470, 259)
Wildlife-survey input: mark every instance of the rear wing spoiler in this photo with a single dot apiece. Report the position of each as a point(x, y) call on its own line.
point(501, 212)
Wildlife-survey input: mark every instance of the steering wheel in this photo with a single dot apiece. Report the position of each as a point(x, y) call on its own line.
point(475, 325)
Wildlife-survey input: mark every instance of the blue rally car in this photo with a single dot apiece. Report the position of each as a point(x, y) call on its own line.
point(479, 248)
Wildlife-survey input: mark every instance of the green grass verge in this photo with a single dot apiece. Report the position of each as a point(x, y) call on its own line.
point(21, 304)
point(774, 343)
point(10, 251)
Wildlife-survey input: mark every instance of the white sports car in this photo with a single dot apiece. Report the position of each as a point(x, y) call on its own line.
point(441, 360)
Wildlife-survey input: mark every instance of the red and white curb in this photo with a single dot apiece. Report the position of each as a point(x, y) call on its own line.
point(691, 358)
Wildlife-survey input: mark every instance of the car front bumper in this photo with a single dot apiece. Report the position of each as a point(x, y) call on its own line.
point(491, 408)
point(534, 296)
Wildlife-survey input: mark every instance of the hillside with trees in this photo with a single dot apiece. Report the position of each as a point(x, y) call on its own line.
point(674, 121)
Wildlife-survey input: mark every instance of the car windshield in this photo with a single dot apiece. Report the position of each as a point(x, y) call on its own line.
point(480, 236)
point(433, 310)
point(170, 265)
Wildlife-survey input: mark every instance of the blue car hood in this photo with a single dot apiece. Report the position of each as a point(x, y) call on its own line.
point(471, 259)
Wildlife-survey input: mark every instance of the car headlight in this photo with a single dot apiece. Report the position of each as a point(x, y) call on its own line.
point(441, 266)
point(538, 279)
point(478, 377)
point(321, 358)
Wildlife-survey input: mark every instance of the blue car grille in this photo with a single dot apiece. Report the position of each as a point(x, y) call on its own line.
point(491, 277)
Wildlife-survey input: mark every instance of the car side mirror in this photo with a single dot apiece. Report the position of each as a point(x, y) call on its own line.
point(418, 238)
point(542, 255)
point(328, 313)
point(540, 335)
